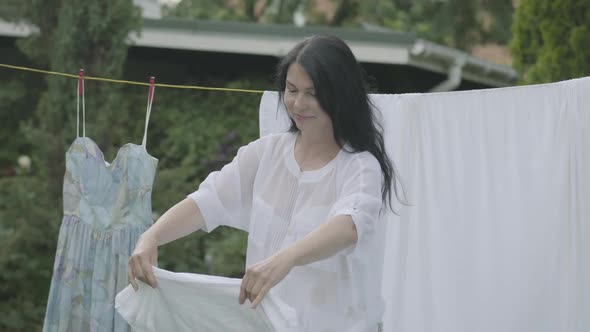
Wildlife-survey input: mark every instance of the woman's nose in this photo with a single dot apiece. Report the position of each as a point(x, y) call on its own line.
point(299, 101)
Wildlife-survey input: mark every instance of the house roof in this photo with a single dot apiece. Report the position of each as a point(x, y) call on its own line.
point(381, 46)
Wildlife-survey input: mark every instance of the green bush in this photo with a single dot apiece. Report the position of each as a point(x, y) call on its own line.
point(550, 40)
point(28, 233)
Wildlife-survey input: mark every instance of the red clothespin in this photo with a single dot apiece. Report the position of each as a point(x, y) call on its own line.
point(81, 83)
point(151, 91)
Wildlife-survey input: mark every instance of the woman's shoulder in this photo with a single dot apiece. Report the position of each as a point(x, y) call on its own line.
point(276, 139)
point(273, 142)
point(359, 160)
point(360, 169)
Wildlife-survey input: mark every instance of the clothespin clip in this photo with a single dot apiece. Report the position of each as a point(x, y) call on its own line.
point(81, 83)
point(81, 94)
point(149, 109)
point(151, 91)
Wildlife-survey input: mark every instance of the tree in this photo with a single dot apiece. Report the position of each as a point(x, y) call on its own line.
point(203, 10)
point(456, 23)
point(75, 34)
point(551, 39)
point(275, 11)
point(72, 34)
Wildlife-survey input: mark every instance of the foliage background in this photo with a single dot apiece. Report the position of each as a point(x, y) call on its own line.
point(456, 23)
point(193, 133)
point(551, 40)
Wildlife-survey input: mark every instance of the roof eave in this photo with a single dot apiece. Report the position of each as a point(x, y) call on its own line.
point(385, 47)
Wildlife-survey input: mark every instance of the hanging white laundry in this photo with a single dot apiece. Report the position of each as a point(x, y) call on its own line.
point(498, 234)
point(194, 302)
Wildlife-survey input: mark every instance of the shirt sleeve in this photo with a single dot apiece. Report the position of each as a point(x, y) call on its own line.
point(225, 197)
point(360, 195)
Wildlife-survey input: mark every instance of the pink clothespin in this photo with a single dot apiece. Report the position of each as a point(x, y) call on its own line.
point(149, 109)
point(81, 83)
point(81, 94)
point(151, 91)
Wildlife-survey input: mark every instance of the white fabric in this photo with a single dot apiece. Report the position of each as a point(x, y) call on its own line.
point(194, 302)
point(263, 191)
point(498, 237)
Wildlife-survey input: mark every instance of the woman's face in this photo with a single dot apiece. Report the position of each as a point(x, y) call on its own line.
point(302, 104)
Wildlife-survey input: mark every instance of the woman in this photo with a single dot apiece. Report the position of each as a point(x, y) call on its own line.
point(309, 198)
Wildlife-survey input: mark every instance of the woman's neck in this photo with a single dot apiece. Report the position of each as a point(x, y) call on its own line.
point(312, 152)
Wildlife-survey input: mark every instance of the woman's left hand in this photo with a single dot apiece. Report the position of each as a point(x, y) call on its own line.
point(264, 275)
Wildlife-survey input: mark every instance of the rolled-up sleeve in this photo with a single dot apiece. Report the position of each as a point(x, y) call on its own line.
point(360, 195)
point(225, 197)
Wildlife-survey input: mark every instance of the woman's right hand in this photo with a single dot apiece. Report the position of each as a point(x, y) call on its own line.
point(180, 220)
point(141, 261)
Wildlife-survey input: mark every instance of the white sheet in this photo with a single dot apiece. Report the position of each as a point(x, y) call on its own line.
point(498, 234)
point(194, 302)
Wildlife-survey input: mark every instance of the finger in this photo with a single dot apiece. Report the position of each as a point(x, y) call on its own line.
point(249, 285)
point(256, 289)
point(148, 272)
point(137, 272)
point(243, 289)
point(244, 295)
point(249, 296)
point(154, 258)
point(260, 296)
point(131, 275)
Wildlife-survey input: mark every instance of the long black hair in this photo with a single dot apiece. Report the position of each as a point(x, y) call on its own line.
point(342, 91)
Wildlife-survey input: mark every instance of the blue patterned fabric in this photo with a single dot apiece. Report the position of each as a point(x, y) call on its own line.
point(106, 208)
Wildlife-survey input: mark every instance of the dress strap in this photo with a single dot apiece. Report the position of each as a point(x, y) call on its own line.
point(81, 93)
point(148, 110)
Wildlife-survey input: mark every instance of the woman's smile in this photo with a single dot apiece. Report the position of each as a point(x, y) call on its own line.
point(300, 117)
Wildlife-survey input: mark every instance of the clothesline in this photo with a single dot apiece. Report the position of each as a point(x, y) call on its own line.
point(103, 79)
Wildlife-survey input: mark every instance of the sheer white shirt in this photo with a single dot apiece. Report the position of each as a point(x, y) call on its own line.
point(264, 192)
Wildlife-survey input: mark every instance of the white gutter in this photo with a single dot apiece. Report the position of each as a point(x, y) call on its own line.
point(454, 79)
point(458, 65)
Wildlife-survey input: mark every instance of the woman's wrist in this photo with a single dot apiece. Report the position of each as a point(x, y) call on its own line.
point(149, 236)
point(290, 256)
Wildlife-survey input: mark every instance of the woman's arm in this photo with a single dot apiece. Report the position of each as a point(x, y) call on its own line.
point(180, 220)
point(325, 241)
point(359, 199)
point(222, 199)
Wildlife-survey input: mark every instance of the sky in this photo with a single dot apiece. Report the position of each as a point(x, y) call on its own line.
point(168, 2)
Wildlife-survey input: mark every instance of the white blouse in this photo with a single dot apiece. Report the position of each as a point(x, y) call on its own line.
point(264, 192)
